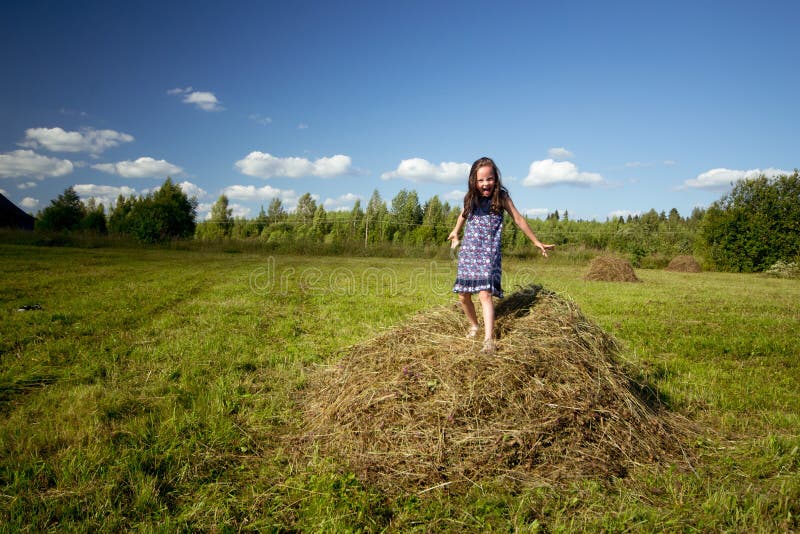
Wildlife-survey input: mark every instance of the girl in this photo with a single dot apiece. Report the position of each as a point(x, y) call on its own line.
point(479, 260)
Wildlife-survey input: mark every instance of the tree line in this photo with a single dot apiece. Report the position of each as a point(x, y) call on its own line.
point(406, 221)
point(749, 229)
point(166, 213)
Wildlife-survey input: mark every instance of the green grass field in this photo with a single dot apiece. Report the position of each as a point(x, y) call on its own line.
point(153, 391)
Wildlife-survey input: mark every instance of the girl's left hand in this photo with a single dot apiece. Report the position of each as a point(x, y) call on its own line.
point(454, 241)
point(544, 248)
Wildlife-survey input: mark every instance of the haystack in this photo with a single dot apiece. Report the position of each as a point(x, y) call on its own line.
point(610, 269)
point(420, 407)
point(684, 264)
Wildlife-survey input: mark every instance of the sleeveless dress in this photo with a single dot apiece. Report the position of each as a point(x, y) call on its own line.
point(479, 259)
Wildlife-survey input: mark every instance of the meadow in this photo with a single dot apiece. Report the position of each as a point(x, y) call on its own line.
point(153, 390)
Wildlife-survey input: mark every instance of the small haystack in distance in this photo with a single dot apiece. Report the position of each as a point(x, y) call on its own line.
point(420, 407)
point(610, 269)
point(684, 264)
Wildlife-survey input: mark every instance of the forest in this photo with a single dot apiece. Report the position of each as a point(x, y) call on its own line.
point(749, 229)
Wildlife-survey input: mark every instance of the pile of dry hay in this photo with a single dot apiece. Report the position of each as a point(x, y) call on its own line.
point(684, 264)
point(610, 269)
point(420, 407)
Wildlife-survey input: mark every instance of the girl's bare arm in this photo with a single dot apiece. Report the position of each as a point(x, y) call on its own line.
point(454, 234)
point(523, 225)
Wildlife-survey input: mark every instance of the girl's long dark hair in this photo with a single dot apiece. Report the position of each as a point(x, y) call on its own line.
point(473, 193)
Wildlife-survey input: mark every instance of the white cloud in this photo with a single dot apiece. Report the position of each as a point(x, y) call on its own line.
point(342, 203)
point(204, 210)
point(29, 203)
point(333, 166)
point(28, 163)
point(144, 167)
point(205, 100)
point(237, 210)
point(560, 153)
point(455, 196)
point(27, 185)
point(87, 140)
point(260, 119)
point(720, 179)
point(192, 190)
point(421, 170)
point(179, 91)
point(302, 126)
point(263, 165)
point(103, 194)
point(616, 214)
point(536, 213)
point(548, 172)
point(251, 193)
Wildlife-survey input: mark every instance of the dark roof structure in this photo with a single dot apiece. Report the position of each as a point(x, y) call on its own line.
point(13, 217)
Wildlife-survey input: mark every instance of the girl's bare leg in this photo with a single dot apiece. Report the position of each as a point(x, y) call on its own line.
point(487, 305)
point(469, 310)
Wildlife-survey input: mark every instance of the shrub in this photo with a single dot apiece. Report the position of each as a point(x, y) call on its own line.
point(783, 269)
point(754, 226)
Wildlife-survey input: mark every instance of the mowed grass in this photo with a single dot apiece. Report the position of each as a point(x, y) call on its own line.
point(153, 391)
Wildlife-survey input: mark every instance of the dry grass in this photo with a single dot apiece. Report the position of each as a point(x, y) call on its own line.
point(684, 264)
point(419, 406)
point(610, 269)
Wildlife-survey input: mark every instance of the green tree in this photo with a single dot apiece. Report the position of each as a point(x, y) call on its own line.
point(222, 217)
point(65, 213)
point(306, 207)
point(697, 215)
point(650, 221)
point(753, 226)
point(319, 225)
point(118, 217)
point(433, 228)
point(356, 219)
point(243, 228)
point(375, 219)
point(275, 212)
point(95, 218)
point(179, 211)
point(406, 214)
point(261, 221)
point(164, 214)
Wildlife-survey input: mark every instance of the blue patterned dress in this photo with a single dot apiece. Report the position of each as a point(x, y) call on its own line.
point(479, 259)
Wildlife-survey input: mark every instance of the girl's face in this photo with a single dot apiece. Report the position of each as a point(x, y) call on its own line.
point(486, 180)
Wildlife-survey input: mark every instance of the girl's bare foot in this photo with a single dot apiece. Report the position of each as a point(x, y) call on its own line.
point(473, 331)
point(489, 347)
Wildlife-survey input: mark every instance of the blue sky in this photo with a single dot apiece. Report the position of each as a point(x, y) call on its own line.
point(598, 108)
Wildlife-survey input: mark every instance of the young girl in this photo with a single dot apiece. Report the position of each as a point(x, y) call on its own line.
point(479, 260)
